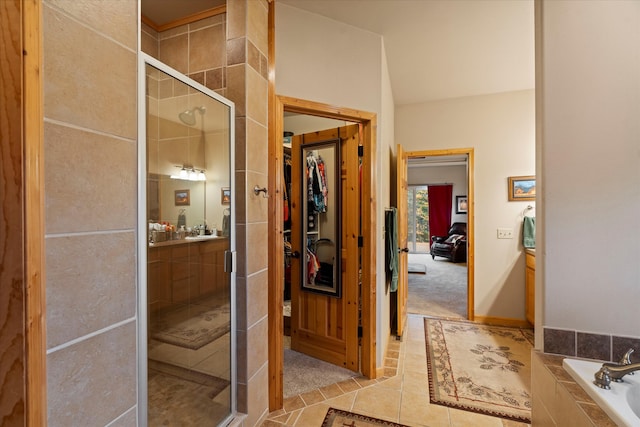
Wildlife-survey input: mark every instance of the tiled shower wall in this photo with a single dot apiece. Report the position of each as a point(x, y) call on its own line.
point(90, 93)
point(228, 54)
point(197, 50)
point(90, 162)
point(247, 86)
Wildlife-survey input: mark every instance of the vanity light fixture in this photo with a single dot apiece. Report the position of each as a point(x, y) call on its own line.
point(189, 173)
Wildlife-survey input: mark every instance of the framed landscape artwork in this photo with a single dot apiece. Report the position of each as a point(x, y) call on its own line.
point(182, 197)
point(522, 188)
point(226, 196)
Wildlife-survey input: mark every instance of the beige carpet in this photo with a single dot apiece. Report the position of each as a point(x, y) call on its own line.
point(416, 268)
point(303, 373)
point(338, 418)
point(480, 368)
point(441, 292)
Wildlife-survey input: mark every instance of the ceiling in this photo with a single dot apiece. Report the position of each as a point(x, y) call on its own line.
point(162, 12)
point(436, 49)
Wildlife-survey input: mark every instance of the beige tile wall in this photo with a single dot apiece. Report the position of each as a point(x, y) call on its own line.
point(90, 166)
point(228, 54)
point(247, 86)
point(197, 50)
point(557, 400)
point(90, 177)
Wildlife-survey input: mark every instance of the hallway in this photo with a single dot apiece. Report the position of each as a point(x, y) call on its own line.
point(441, 291)
point(401, 395)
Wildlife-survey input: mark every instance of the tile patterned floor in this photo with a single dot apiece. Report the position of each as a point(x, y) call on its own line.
point(402, 395)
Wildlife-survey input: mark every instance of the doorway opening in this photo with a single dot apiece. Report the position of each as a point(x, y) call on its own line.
point(361, 346)
point(418, 219)
point(440, 284)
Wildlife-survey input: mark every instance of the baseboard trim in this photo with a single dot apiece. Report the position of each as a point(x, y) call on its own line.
point(502, 321)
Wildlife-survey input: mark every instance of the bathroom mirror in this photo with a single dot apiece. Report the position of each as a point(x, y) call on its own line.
point(321, 212)
point(188, 149)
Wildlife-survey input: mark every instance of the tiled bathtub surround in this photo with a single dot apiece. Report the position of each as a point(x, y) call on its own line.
point(589, 346)
point(558, 400)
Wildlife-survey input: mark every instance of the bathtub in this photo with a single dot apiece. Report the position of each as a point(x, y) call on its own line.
point(621, 403)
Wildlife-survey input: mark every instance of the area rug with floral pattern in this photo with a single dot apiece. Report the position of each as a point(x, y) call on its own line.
point(480, 368)
point(191, 326)
point(338, 418)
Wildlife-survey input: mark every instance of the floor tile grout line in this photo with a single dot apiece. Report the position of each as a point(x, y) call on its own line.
point(360, 388)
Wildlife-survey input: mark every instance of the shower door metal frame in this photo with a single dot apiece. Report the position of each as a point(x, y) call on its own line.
point(142, 242)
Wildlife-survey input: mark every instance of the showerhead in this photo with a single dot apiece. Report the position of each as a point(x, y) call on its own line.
point(189, 118)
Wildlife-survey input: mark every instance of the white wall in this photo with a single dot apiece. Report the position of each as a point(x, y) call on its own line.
point(326, 61)
point(590, 160)
point(386, 156)
point(454, 175)
point(501, 129)
point(300, 124)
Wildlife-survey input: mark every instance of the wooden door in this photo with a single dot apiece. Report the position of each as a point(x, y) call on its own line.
point(322, 326)
point(401, 204)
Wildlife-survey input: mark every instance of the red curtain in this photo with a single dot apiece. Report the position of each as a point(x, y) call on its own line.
point(439, 209)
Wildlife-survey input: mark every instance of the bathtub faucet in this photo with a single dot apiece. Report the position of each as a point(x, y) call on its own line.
point(615, 371)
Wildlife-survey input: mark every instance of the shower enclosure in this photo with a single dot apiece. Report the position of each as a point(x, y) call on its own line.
point(186, 342)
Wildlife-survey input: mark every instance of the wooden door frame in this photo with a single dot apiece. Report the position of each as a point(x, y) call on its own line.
point(402, 292)
point(368, 121)
point(23, 176)
point(470, 215)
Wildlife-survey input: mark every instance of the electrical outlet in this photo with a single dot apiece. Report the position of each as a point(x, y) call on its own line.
point(505, 233)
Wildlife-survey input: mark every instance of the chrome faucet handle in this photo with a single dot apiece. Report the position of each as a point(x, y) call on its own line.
point(603, 378)
point(626, 359)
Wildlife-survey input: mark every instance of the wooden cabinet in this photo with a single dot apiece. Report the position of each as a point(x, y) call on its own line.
point(530, 285)
point(213, 277)
point(181, 271)
point(158, 283)
point(184, 272)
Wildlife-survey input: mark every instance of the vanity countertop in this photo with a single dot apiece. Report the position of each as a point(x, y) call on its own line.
point(194, 239)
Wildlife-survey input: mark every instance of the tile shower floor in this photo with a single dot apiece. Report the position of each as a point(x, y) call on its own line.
point(187, 403)
point(402, 395)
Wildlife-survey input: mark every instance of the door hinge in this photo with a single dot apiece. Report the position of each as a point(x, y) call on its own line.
point(359, 331)
point(360, 242)
point(229, 261)
point(360, 150)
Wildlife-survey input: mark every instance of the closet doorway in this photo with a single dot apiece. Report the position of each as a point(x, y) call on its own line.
point(360, 348)
point(436, 159)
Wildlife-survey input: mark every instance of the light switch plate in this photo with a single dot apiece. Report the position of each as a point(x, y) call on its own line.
point(505, 233)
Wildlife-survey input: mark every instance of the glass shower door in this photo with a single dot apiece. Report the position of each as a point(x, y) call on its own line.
point(188, 301)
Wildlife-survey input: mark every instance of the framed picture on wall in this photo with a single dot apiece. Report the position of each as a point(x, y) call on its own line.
point(461, 204)
point(522, 188)
point(182, 197)
point(226, 196)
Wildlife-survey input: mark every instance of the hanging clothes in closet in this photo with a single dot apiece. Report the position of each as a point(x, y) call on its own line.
point(287, 191)
point(286, 210)
point(316, 183)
